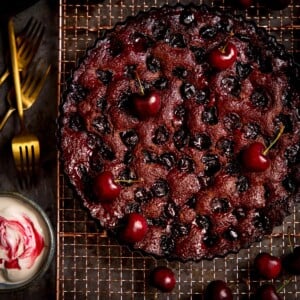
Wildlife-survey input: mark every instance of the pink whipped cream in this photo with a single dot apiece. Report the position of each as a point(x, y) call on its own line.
point(23, 238)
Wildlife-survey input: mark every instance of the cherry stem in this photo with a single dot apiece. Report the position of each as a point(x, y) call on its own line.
point(275, 140)
point(223, 48)
point(140, 84)
point(291, 244)
point(127, 180)
point(284, 284)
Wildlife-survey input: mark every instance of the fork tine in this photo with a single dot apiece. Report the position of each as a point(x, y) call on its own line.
point(39, 83)
point(21, 35)
point(34, 41)
point(33, 165)
point(34, 77)
point(28, 77)
point(35, 80)
point(39, 31)
point(21, 169)
point(31, 41)
point(27, 164)
point(27, 26)
point(27, 159)
point(27, 34)
point(42, 82)
point(35, 157)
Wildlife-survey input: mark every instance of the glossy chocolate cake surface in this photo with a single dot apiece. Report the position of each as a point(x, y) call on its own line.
point(181, 161)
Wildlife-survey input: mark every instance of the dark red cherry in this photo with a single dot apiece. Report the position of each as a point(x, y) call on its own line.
point(244, 3)
point(223, 57)
point(276, 4)
point(267, 265)
point(141, 42)
point(292, 261)
point(267, 292)
point(163, 278)
point(218, 290)
point(254, 159)
point(135, 228)
point(147, 105)
point(105, 188)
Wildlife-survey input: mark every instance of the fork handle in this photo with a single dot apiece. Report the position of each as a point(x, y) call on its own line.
point(6, 73)
point(6, 117)
point(15, 70)
point(4, 76)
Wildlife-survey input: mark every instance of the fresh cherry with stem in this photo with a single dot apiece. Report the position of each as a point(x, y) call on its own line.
point(146, 105)
point(254, 157)
point(267, 291)
point(106, 188)
point(224, 56)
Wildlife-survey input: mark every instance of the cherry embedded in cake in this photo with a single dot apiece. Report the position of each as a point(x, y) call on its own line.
point(105, 187)
point(162, 121)
point(146, 106)
point(223, 57)
point(134, 229)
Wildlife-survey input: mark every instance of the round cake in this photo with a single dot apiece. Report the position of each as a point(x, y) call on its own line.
point(179, 130)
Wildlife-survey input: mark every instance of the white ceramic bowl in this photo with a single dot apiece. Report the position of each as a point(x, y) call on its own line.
point(25, 230)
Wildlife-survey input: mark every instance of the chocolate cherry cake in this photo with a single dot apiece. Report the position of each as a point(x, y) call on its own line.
point(179, 130)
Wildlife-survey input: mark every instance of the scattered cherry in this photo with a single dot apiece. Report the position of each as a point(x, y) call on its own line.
point(244, 3)
point(105, 187)
point(267, 292)
point(254, 157)
point(267, 265)
point(134, 229)
point(223, 57)
point(146, 105)
point(276, 4)
point(218, 290)
point(163, 278)
point(292, 261)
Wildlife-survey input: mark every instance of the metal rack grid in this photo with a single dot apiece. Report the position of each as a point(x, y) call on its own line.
point(94, 266)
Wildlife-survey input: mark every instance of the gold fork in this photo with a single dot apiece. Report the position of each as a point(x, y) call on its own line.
point(31, 88)
point(28, 43)
point(25, 146)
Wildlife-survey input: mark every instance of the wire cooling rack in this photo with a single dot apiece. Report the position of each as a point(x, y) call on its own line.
point(94, 266)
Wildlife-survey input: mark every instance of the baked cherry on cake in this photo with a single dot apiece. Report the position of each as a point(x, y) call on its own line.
point(163, 121)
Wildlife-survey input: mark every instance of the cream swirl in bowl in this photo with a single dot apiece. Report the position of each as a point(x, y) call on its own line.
point(26, 241)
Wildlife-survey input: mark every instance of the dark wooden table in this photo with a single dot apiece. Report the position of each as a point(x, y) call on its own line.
point(41, 120)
